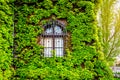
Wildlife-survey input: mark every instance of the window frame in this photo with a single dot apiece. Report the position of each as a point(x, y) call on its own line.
point(52, 24)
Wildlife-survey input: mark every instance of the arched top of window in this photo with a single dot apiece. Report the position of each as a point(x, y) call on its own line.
point(57, 30)
point(54, 28)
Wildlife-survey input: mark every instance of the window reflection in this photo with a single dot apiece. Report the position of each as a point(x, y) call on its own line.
point(49, 30)
point(57, 29)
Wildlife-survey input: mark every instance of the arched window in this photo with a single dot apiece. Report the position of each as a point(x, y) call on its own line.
point(53, 39)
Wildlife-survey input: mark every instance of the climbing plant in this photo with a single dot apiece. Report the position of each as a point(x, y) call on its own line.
point(83, 61)
point(6, 39)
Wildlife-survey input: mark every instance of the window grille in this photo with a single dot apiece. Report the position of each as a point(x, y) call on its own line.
point(53, 39)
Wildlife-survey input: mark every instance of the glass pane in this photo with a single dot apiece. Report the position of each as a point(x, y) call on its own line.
point(59, 52)
point(57, 29)
point(59, 47)
point(48, 42)
point(47, 52)
point(49, 30)
point(59, 42)
point(48, 46)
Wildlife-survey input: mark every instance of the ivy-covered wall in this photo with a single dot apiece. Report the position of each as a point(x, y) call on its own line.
point(6, 39)
point(84, 61)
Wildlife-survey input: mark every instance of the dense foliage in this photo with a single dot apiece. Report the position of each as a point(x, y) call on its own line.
point(6, 39)
point(84, 62)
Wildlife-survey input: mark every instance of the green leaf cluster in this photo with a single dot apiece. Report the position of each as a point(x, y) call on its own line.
point(84, 61)
point(6, 39)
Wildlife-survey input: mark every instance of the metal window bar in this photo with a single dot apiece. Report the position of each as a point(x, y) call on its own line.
point(57, 39)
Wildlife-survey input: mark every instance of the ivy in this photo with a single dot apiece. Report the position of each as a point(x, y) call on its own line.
point(6, 39)
point(83, 61)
